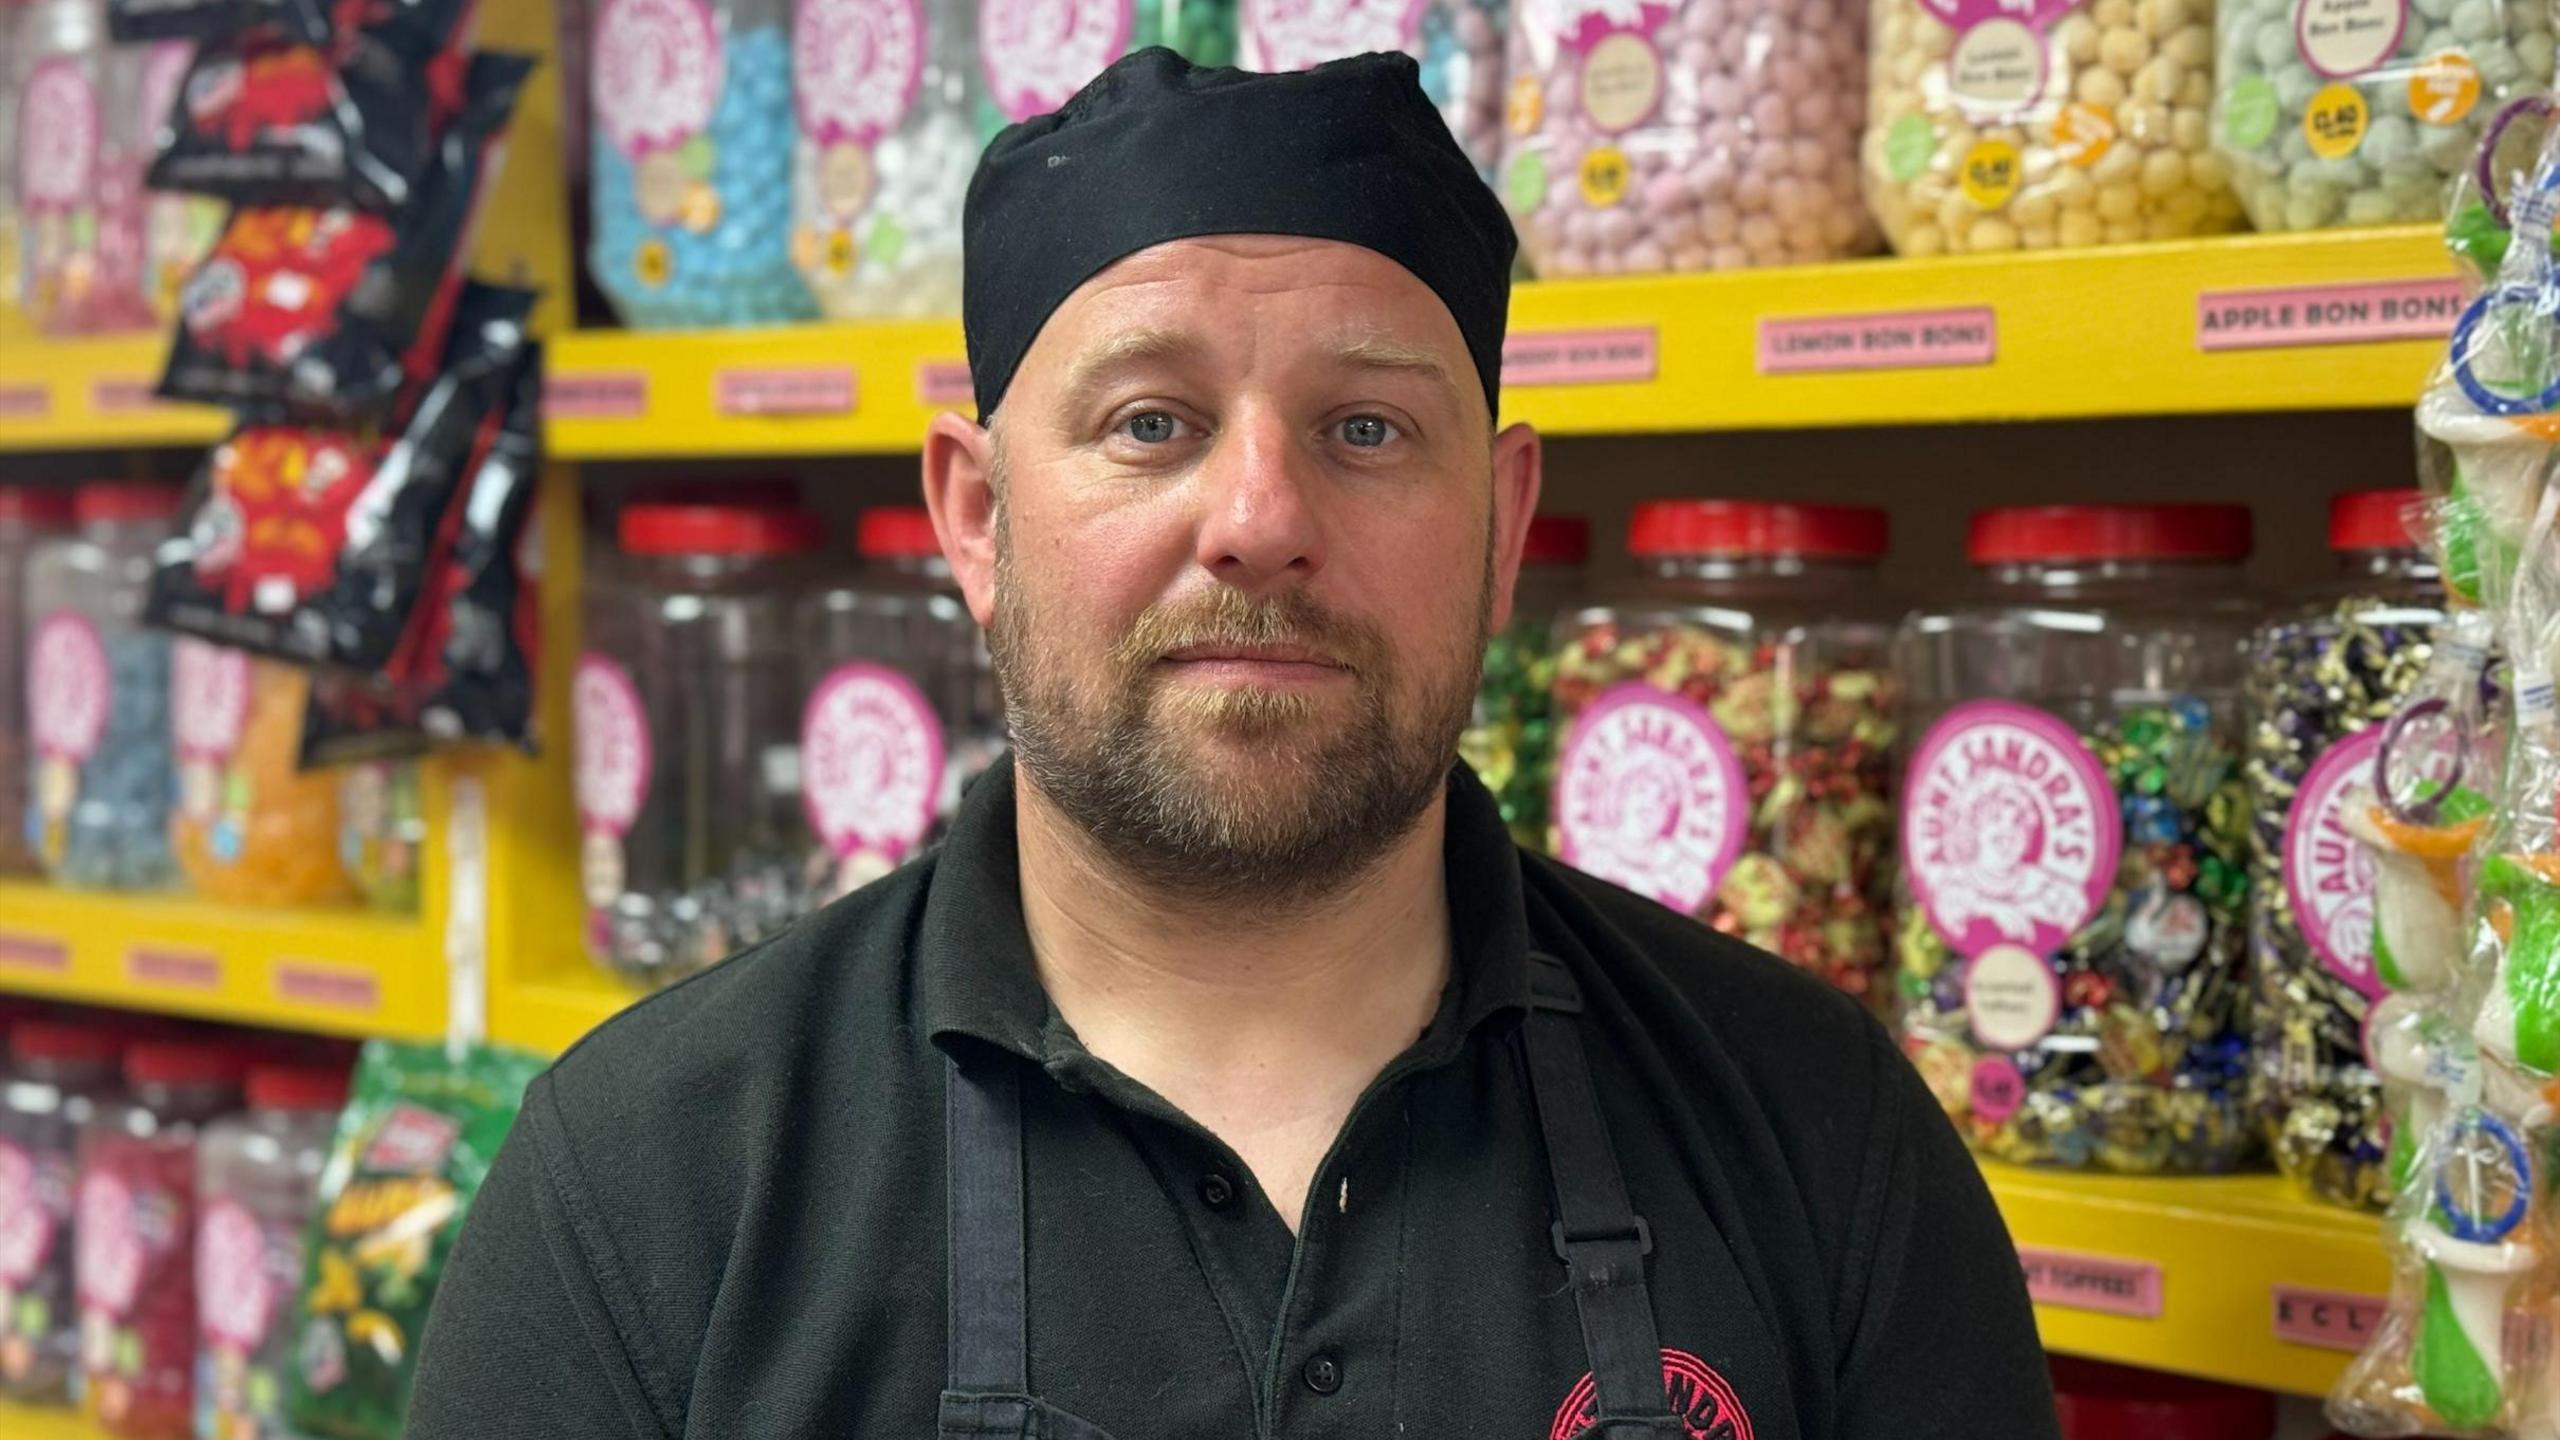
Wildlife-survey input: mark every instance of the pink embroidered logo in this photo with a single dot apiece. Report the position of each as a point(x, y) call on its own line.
point(1700, 1397)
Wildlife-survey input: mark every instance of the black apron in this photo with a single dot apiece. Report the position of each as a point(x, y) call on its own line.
point(1598, 1237)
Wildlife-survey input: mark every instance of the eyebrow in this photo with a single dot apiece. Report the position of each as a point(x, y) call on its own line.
point(1137, 350)
point(1372, 353)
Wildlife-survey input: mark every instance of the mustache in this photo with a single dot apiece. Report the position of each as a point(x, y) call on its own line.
point(1224, 616)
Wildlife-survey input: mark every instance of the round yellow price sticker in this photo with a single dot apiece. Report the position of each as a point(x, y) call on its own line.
point(1991, 173)
point(1604, 176)
point(2336, 121)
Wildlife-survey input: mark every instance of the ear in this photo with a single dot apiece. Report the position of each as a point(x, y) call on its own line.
point(959, 490)
point(1518, 472)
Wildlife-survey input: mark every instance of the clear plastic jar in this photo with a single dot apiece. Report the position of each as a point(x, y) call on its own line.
point(57, 1073)
point(901, 710)
point(887, 95)
point(82, 149)
point(382, 831)
point(2324, 673)
point(2360, 112)
point(1038, 53)
point(1728, 725)
point(178, 229)
point(1511, 741)
point(257, 1183)
point(686, 706)
point(98, 696)
point(28, 515)
point(1998, 125)
point(692, 163)
point(1694, 135)
point(136, 1250)
point(251, 826)
point(1458, 44)
point(2075, 832)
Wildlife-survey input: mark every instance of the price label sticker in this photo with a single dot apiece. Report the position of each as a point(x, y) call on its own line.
point(2336, 121)
point(1991, 174)
point(1604, 177)
point(2083, 134)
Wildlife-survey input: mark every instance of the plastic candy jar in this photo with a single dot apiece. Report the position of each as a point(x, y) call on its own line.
point(1037, 53)
point(178, 229)
point(57, 1074)
point(28, 515)
point(686, 709)
point(82, 149)
point(382, 829)
point(2029, 124)
point(1729, 721)
point(692, 163)
point(2074, 887)
point(250, 827)
point(136, 1261)
point(1690, 135)
point(1458, 44)
point(888, 94)
point(2323, 675)
point(257, 1182)
point(98, 696)
point(1511, 741)
point(2358, 112)
point(901, 710)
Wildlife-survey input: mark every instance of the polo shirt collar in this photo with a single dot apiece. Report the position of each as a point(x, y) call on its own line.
point(974, 972)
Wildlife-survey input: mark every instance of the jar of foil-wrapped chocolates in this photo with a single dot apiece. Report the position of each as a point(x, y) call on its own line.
point(1511, 741)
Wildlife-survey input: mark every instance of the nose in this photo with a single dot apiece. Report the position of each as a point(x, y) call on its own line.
point(1260, 530)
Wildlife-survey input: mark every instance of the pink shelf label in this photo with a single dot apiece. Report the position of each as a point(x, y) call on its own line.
point(2358, 314)
point(784, 390)
point(2328, 1319)
point(596, 395)
point(1581, 357)
point(944, 382)
point(122, 395)
point(2102, 1283)
point(24, 402)
point(308, 984)
point(176, 969)
point(1888, 340)
point(34, 952)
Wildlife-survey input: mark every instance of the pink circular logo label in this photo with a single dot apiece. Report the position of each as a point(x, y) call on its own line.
point(107, 1254)
point(58, 137)
point(856, 66)
point(209, 701)
point(69, 688)
point(2327, 874)
point(657, 73)
point(2010, 831)
point(1037, 53)
point(1650, 796)
point(1300, 34)
point(871, 761)
point(614, 758)
point(1997, 1088)
point(235, 1293)
point(26, 1227)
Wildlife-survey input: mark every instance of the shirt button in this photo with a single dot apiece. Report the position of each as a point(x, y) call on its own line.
point(1323, 1373)
point(1217, 1191)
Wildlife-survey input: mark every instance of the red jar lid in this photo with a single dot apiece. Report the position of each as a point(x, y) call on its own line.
point(1557, 540)
point(2030, 533)
point(1757, 527)
point(297, 1087)
point(65, 1042)
point(2098, 1401)
point(2373, 520)
point(719, 530)
point(181, 1062)
point(895, 531)
point(45, 507)
point(108, 502)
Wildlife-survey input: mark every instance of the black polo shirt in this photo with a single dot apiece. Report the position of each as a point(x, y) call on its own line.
point(722, 1215)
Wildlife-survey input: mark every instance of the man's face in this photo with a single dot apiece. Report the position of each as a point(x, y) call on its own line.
point(1249, 524)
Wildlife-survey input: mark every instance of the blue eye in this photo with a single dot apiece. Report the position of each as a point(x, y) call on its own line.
point(1152, 428)
point(1367, 432)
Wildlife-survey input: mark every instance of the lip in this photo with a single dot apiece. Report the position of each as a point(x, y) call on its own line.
point(1295, 655)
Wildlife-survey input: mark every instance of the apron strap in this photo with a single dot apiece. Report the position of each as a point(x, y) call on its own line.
point(1597, 1234)
point(989, 1335)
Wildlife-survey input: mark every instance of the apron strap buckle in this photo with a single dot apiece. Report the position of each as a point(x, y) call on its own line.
point(1639, 1232)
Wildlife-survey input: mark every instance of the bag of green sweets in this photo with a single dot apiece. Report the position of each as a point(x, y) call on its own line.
point(416, 1140)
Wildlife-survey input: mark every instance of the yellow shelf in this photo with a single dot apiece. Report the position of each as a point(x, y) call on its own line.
point(2229, 1260)
point(29, 1422)
point(90, 394)
point(345, 972)
point(2056, 335)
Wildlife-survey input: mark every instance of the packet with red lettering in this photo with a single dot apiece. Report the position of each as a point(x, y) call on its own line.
point(335, 313)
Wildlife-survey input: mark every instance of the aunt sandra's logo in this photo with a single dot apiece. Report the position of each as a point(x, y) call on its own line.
point(1699, 1397)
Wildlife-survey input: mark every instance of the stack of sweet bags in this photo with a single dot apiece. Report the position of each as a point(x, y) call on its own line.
point(2462, 824)
point(365, 529)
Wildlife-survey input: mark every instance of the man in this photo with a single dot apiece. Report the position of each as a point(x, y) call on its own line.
point(1228, 1072)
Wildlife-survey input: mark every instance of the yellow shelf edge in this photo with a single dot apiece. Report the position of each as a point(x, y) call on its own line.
point(90, 393)
point(38, 1422)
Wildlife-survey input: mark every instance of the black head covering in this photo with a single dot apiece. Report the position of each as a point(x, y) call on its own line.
point(1158, 149)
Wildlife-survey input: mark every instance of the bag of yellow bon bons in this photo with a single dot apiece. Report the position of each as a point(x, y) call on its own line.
point(249, 828)
point(1997, 125)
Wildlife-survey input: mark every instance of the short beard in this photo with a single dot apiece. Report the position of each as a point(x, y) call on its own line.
point(1109, 751)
